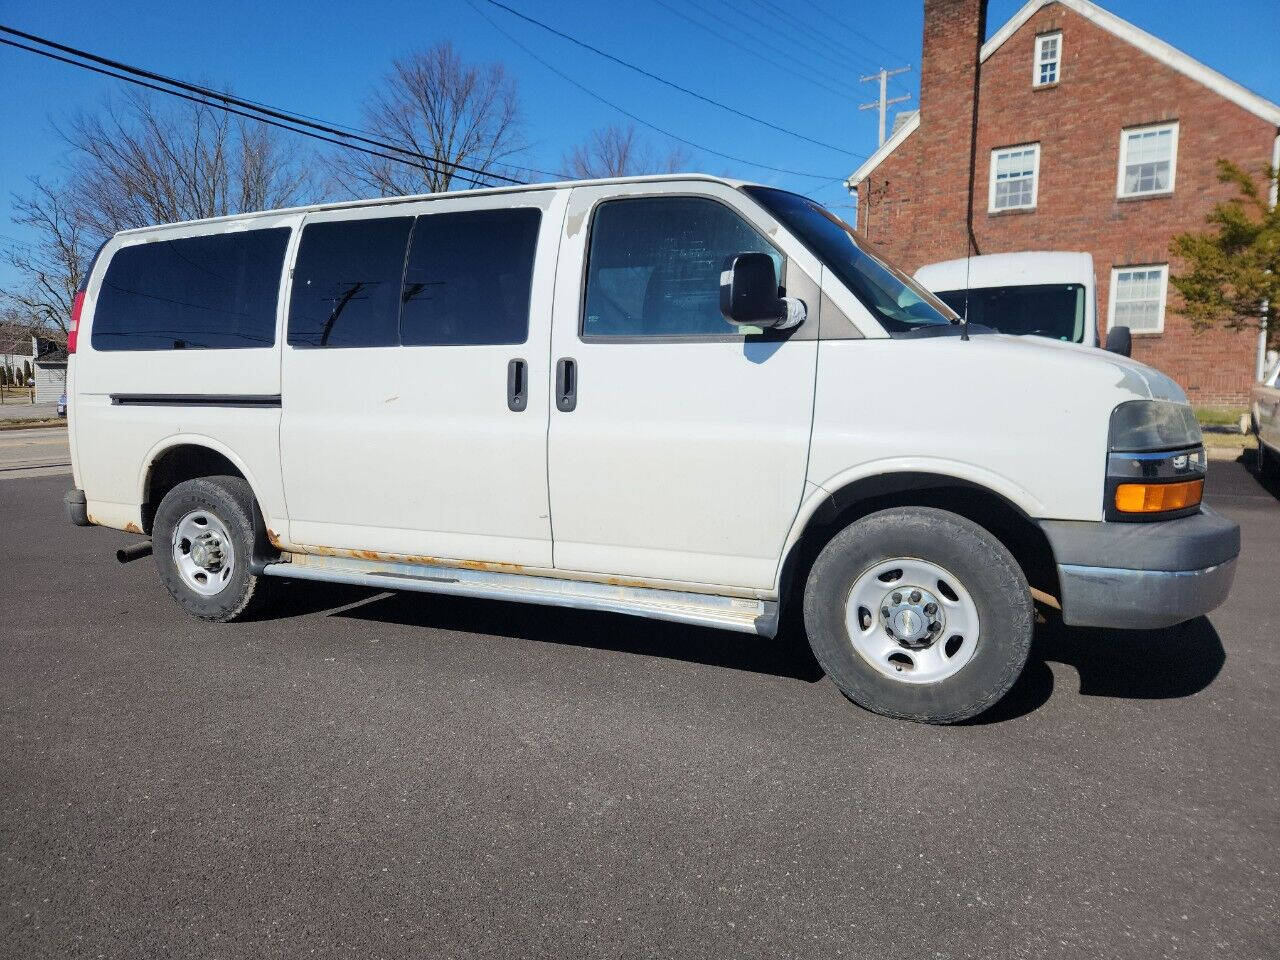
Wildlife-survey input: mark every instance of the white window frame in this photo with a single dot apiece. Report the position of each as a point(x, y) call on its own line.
point(1038, 60)
point(1124, 158)
point(1164, 295)
point(1035, 178)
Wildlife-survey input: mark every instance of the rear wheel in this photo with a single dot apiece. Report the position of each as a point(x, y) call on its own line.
point(919, 613)
point(203, 541)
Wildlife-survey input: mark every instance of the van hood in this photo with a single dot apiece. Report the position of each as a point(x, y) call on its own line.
point(1144, 382)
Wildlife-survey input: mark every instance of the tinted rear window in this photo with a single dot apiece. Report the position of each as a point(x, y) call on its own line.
point(346, 285)
point(211, 292)
point(468, 277)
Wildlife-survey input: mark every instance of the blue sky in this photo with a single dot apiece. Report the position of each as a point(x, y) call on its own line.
point(320, 57)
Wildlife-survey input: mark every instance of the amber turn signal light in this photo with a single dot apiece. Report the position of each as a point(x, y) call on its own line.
point(1158, 497)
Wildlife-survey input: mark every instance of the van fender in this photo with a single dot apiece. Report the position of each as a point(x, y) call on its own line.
point(817, 494)
point(195, 440)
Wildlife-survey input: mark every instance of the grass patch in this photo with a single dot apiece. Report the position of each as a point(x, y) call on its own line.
point(1220, 416)
point(1226, 443)
point(32, 424)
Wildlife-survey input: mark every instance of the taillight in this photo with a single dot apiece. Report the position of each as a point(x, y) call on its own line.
point(76, 306)
point(77, 303)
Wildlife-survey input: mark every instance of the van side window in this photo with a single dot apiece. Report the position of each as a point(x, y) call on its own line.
point(654, 267)
point(468, 276)
point(213, 292)
point(346, 284)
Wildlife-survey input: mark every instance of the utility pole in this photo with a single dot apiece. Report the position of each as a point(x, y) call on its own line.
point(884, 102)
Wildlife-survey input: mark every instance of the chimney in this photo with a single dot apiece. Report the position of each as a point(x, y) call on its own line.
point(953, 35)
point(954, 31)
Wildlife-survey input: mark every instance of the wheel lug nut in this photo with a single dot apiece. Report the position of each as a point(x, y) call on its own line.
point(884, 612)
point(915, 596)
point(931, 608)
point(897, 598)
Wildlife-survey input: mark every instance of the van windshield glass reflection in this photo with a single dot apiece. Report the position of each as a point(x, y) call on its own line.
point(896, 300)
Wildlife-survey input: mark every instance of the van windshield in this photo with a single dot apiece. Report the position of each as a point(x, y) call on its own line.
point(898, 302)
point(1045, 309)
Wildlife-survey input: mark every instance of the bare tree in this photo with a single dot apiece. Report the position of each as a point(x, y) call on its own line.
point(141, 161)
point(51, 266)
point(443, 109)
point(615, 151)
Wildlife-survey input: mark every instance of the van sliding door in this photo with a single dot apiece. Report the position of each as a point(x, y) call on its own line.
point(415, 379)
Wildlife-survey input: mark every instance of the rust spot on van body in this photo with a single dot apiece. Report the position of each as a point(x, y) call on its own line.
point(490, 567)
point(132, 527)
point(273, 538)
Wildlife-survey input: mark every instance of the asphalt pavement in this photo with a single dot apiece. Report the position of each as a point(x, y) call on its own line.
point(376, 775)
point(34, 452)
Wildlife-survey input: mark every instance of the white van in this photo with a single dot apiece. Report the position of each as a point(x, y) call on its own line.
point(1046, 293)
point(679, 397)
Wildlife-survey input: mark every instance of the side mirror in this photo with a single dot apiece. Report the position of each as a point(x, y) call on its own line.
point(749, 294)
point(1120, 340)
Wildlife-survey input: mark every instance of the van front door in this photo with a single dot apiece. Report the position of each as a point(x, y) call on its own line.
point(678, 444)
point(415, 379)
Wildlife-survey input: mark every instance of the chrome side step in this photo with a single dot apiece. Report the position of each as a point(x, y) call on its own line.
point(706, 610)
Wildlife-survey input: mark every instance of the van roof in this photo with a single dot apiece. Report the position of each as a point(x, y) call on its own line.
point(1008, 270)
point(452, 194)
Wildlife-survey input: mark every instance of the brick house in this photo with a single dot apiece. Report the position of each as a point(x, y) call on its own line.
point(1088, 134)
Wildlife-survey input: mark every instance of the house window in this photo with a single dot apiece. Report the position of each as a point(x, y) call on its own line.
point(1148, 160)
point(1015, 172)
point(1137, 298)
point(1047, 65)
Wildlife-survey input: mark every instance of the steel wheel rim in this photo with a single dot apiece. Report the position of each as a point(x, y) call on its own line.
point(913, 654)
point(203, 552)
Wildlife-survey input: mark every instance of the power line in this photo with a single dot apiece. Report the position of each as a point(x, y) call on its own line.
point(226, 109)
point(212, 98)
point(637, 119)
point(662, 80)
point(845, 55)
point(789, 68)
point(856, 32)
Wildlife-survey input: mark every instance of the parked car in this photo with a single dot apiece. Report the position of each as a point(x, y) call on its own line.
point(679, 397)
point(62, 404)
point(1048, 294)
point(1265, 417)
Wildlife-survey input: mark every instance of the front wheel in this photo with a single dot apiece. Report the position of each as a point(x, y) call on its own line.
point(919, 613)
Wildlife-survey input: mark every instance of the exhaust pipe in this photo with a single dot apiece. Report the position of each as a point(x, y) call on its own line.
point(136, 552)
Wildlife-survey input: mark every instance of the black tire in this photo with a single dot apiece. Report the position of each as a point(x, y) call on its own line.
point(230, 500)
point(985, 568)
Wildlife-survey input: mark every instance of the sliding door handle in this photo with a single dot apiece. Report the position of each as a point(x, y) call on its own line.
point(517, 385)
point(566, 384)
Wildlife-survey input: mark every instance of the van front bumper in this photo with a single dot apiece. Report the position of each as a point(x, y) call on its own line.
point(1142, 576)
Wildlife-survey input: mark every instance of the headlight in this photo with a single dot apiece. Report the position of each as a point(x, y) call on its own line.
point(1155, 462)
point(1153, 425)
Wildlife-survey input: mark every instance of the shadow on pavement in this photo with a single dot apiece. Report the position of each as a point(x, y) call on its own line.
point(786, 656)
point(1129, 664)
